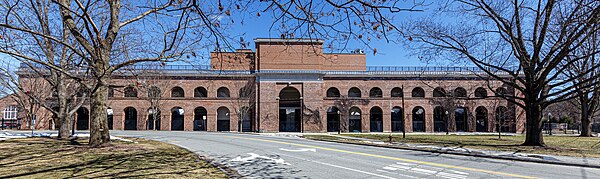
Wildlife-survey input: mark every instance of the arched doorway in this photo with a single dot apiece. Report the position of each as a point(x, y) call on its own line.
point(460, 117)
point(223, 119)
point(154, 116)
point(289, 110)
point(177, 119)
point(333, 119)
point(439, 119)
point(130, 118)
point(354, 120)
point(376, 118)
point(397, 119)
point(109, 116)
point(83, 118)
point(200, 115)
point(418, 119)
point(481, 119)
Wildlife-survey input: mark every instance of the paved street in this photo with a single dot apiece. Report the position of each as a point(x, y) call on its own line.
point(259, 156)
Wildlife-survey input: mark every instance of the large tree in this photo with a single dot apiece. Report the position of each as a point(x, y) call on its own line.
point(527, 40)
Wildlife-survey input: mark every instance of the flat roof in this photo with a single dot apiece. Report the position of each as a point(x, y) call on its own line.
point(290, 40)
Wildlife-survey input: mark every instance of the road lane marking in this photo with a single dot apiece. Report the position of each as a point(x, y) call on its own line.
point(299, 150)
point(254, 156)
point(354, 170)
point(388, 157)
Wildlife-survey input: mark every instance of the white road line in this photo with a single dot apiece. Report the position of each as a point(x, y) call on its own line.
point(405, 176)
point(355, 170)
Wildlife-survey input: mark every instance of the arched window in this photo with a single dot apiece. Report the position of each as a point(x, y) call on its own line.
point(200, 115)
point(154, 116)
point(111, 92)
point(354, 121)
point(439, 119)
point(501, 91)
point(83, 119)
point(82, 91)
point(177, 115)
point(333, 92)
point(460, 117)
point(397, 119)
point(481, 122)
point(397, 92)
point(375, 93)
point(460, 92)
point(480, 92)
point(354, 92)
point(130, 92)
point(376, 119)
point(418, 92)
point(223, 119)
point(418, 117)
point(439, 92)
point(130, 118)
point(245, 92)
point(177, 92)
point(109, 116)
point(223, 92)
point(200, 92)
point(154, 92)
point(333, 119)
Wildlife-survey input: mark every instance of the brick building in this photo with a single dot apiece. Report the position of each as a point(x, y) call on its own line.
point(291, 85)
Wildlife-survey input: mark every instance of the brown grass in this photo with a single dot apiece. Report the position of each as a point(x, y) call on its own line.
point(51, 158)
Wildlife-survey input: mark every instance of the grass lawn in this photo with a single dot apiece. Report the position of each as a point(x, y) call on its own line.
point(556, 145)
point(51, 158)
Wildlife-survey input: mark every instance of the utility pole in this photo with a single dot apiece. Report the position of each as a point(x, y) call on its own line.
point(403, 114)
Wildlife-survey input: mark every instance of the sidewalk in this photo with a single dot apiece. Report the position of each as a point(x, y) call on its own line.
point(526, 157)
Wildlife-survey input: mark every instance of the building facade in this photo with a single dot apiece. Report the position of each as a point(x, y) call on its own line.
point(291, 85)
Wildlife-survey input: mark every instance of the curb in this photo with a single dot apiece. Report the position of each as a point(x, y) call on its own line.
point(464, 154)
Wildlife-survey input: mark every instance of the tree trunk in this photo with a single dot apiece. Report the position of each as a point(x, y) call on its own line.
point(586, 122)
point(64, 130)
point(99, 133)
point(534, 135)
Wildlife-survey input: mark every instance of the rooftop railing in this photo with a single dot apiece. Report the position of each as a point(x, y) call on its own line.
point(206, 69)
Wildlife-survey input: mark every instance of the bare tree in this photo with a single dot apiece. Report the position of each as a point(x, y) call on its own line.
point(584, 74)
point(344, 104)
point(244, 104)
point(523, 39)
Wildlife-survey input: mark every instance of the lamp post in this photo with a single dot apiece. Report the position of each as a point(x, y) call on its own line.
point(446, 121)
point(550, 122)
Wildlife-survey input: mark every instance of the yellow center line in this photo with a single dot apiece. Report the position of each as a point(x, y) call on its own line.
point(390, 158)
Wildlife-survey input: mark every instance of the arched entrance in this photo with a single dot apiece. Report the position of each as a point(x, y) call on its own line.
point(177, 119)
point(481, 119)
point(397, 119)
point(223, 119)
point(200, 115)
point(439, 121)
point(130, 118)
point(460, 117)
point(289, 110)
point(83, 118)
point(153, 119)
point(354, 120)
point(109, 116)
point(418, 117)
point(333, 119)
point(376, 118)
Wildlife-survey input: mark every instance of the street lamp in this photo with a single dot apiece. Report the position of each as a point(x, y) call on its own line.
point(446, 121)
point(549, 122)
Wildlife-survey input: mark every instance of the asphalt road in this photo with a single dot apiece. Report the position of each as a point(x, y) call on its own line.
point(257, 156)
